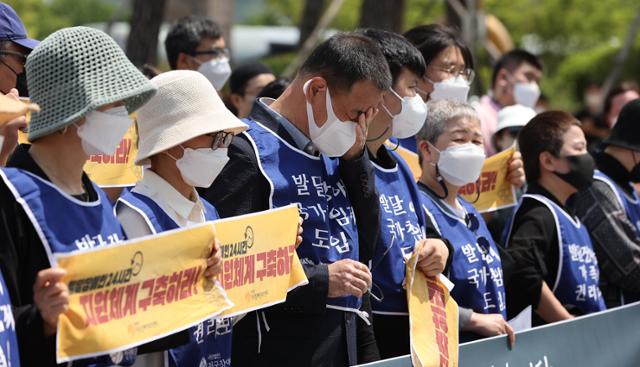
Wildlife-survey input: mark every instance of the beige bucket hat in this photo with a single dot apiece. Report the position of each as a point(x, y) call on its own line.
point(185, 106)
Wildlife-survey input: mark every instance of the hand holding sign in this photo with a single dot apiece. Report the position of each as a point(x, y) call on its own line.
point(515, 170)
point(51, 297)
point(433, 254)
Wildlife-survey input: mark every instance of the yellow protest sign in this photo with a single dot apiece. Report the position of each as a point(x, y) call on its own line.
point(116, 170)
point(433, 320)
point(496, 192)
point(127, 294)
point(260, 263)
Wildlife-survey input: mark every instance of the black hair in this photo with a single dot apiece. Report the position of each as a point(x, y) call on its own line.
point(431, 39)
point(186, 34)
point(619, 89)
point(512, 60)
point(398, 51)
point(275, 88)
point(244, 73)
point(347, 58)
point(544, 133)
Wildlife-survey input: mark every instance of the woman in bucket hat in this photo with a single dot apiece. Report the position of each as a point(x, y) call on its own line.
point(86, 87)
point(183, 132)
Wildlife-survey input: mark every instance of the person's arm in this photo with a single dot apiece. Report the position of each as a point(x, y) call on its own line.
point(527, 262)
point(359, 180)
point(22, 256)
point(367, 346)
point(615, 239)
point(549, 308)
point(464, 315)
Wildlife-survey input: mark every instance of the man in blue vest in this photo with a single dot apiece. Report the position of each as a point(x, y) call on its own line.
point(610, 209)
point(403, 224)
point(306, 147)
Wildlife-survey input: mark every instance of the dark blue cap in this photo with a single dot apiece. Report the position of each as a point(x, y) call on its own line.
point(12, 29)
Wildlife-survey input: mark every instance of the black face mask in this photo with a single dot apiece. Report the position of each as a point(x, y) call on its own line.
point(580, 173)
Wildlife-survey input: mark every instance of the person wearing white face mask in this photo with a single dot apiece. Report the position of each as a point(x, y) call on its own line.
point(451, 153)
point(515, 80)
point(82, 81)
point(197, 43)
point(184, 132)
point(403, 115)
point(307, 147)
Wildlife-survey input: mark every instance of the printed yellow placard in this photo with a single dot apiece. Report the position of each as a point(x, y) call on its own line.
point(433, 320)
point(131, 293)
point(260, 263)
point(496, 192)
point(116, 170)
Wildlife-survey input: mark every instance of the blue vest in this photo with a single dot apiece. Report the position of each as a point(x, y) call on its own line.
point(401, 225)
point(476, 268)
point(209, 341)
point(314, 184)
point(9, 355)
point(576, 282)
point(66, 224)
point(631, 206)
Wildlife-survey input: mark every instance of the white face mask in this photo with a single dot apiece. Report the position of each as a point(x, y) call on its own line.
point(452, 89)
point(461, 164)
point(217, 71)
point(411, 117)
point(102, 132)
point(200, 167)
point(335, 137)
point(526, 94)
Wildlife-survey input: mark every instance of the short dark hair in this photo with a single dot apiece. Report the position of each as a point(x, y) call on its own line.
point(431, 39)
point(398, 51)
point(275, 88)
point(544, 133)
point(621, 88)
point(347, 58)
point(241, 76)
point(512, 60)
point(186, 34)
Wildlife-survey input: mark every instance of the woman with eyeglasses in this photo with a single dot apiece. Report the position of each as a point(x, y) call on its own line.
point(557, 270)
point(451, 155)
point(184, 133)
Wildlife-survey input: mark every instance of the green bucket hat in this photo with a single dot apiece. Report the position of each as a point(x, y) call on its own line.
point(76, 70)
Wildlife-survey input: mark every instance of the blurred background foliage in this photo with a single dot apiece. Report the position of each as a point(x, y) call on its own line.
point(576, 39)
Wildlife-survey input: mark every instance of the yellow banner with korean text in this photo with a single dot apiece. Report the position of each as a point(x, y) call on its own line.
point(134, 292)
point(116, 170)
point(144, 289)
point(259, 260)
point(433, 319)
point(496, 192)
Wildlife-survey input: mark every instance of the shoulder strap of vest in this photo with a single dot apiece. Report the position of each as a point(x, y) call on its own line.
point(549, 204)
point(155, 216)
point(604, 178)
point(210, 212)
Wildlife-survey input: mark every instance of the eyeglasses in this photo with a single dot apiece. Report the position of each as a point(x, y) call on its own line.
point(466, 73)
point(22, 57)
point(217, 52)
point(221, 139)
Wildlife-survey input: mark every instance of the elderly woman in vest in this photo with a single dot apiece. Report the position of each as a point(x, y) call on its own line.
point(451, 154)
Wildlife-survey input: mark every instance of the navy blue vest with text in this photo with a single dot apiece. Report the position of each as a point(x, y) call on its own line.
point(578, 275)
point(9, 355)
point(65, 224)
point(631, 206)
point(476, 268)
point(400, 227)
point(314, 184)
point(209, 341)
